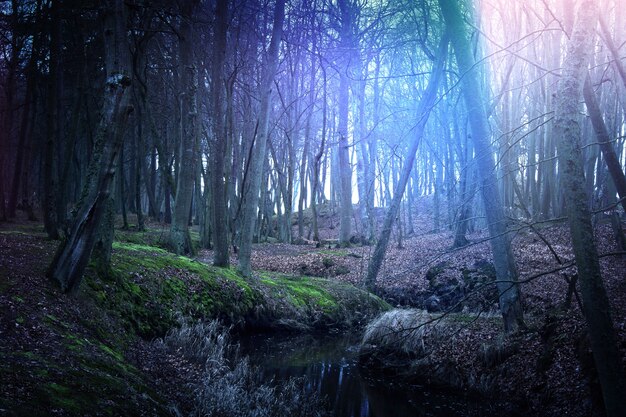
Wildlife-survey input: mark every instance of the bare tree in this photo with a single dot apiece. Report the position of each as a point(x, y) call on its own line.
point(567, 129)
point(425, 106)
point(506, 272)
point(252, 187)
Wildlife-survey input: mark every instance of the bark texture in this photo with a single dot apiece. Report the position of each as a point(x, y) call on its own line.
point(180, 239)
point(567, 130)
point(218, 195)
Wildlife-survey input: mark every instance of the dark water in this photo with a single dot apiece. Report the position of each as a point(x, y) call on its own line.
point(330, 365)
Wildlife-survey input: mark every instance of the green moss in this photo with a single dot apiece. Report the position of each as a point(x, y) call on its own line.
point(54, 321)
point(154, 285)
point(61, 397)
point(320, 302)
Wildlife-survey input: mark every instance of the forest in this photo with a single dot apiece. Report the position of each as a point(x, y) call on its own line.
point(354, 208)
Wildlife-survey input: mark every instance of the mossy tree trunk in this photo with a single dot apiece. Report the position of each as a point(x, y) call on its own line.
point(73, 254)
point(567, 130)
point(506, 271)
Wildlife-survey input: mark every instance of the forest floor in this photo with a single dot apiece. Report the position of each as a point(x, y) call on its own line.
point(545, 370)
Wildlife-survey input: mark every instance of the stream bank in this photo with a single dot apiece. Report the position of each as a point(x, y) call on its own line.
point(93, 353)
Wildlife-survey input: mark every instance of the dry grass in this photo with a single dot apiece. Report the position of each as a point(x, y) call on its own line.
point(229, 385)
point(413, 332)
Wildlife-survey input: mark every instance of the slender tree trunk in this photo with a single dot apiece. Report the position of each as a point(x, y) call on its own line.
point(180, 238)
point(219, 217)
point(50, 211)
point(567, 129)
point(303, 168)
point(424, 108)
point(122, 189)
point(316, 162)
point(253, 186)
point(506, 272)
point(608, 152)
point(139, 168)
point(345, 170)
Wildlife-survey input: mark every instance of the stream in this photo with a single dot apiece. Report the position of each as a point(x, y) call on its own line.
point(330, 366)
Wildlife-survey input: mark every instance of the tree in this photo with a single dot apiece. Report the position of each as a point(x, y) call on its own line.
point(425, 106)
point(567, 130)
point(73, 254)
point(610, 156)
point(506, 272)
point(180, 239)
point(253, 185)
point(346, 16)
point(218, 118)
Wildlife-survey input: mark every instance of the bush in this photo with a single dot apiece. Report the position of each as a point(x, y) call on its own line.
point(225, 390)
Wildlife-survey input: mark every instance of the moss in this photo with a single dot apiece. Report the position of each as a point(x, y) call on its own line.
point(99, 382)
point(4, 284)
point(54, 321)
point(319, 302)
point(151, 237)
point(61, 397)
point(153, 285)
point(305, 292)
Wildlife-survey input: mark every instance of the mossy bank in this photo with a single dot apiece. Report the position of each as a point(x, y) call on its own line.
point(92, 353)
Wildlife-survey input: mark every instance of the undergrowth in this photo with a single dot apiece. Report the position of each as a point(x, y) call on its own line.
point(230, 385)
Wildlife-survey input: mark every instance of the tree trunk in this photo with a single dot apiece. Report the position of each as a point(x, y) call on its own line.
point(139, 168)
point(567, 129)
point(424, 108)
point(221, 256)
point(608, 152)
point(73, 254)
point(252, 187)
point(122, 189)
point(506, 272)
point(316, 162)
point(345, 170)
point(180, 239)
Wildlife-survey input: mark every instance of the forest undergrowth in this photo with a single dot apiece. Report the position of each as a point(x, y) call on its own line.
point(546, 369)
point(55, 346)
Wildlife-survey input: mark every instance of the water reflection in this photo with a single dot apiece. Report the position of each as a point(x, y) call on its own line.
point(330, 365)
